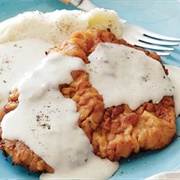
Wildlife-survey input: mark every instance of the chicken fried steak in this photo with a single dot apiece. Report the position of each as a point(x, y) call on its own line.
point(119, 131)
point(115, 131)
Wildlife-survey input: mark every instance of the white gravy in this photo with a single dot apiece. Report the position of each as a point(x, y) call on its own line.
point(174, 75)
point(124, 75)
point(16, 58)
point(50, 129)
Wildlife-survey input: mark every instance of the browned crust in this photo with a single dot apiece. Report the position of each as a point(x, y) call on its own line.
point(123, 131)
point(17, 150)
point(22, 155)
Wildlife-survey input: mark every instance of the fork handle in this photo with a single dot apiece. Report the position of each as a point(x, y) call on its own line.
point(65, 1)
point(73, 2)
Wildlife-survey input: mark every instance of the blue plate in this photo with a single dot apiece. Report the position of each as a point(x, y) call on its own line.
point(159, 16)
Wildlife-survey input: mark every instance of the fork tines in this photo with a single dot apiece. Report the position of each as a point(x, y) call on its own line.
point(141, 37)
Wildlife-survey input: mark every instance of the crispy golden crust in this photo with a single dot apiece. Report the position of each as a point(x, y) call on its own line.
point(123, 131)
point(114, 132)
point(22, 155)
point(89, 103)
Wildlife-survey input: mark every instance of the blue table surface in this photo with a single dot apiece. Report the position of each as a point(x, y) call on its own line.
point(161, 16)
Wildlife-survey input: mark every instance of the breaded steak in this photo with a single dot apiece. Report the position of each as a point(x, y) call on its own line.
point(114, 132)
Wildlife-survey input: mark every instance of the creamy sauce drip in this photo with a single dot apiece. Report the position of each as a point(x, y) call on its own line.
point(17, 58)
point(124, 75)
point(174, 75)
point(50, 128)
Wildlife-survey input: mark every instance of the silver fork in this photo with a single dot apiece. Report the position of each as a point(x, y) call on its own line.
point(136, 35)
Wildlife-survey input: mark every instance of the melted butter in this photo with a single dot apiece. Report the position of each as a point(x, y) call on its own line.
point(174, 75)
point(124, 75)
point(50, 128)
point(16, 58)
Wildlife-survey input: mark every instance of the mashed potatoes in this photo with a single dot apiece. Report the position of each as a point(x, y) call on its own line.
point(55, 26)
